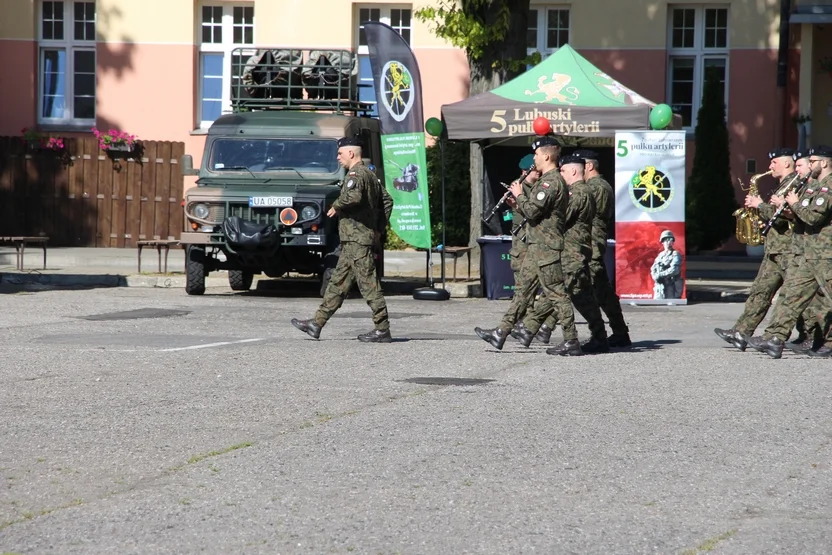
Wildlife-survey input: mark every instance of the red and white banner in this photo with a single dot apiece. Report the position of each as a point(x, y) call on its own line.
point(650, 217)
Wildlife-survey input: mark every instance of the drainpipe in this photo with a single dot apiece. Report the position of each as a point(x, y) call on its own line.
point(782, 72)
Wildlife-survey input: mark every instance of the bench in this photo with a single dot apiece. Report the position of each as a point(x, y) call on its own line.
point(456, 252)
point(160, 244)
point(20, 243)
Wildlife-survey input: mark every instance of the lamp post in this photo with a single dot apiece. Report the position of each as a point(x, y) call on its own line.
point(434, 128)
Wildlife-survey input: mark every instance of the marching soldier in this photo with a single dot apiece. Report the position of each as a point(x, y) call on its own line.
point(363, 208)
point(519, 248)
point(805, 280)
point(772, 272)
point(577, 252)
point(545, 207)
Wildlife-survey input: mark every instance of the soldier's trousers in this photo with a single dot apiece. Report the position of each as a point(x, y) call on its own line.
point(582, 294)
point(770, 278)
point(549, 276)
point(805, 279)
point(606, 297)
point(355, 265)
point(518, 306)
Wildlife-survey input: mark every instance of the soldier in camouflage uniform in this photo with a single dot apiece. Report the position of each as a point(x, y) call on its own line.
point(772, 272)
point(609, 302)
point(804, 282)
point(519, 248)
point(545, 207)
point(577, 253)
point(363, 208)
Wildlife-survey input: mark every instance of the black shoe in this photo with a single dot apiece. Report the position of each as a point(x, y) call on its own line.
point(568, 348)
point(801, 348)
point(308, 326)
point(376, 336)
point(772, 347)
point(823, 352)
point(732, 336)
point(801, 338)
point(619, 340)
point(596, 346)
point(544, 334)
point(496, 337)
point(522, 334)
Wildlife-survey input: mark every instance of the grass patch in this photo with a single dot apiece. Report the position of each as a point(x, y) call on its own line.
point(710, 543)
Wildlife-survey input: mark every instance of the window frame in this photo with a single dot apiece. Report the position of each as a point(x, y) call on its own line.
point(69, 45)
point(700, 54)
point(224, 47)
point(385, 16)
point(542, 27)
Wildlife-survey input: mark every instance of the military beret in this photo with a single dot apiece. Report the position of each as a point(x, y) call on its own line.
point(349, 141)
point(586, 154)
point(544, 141)
point(778, 152)
point(571, 159)
point(821, 150)
point(800, 154)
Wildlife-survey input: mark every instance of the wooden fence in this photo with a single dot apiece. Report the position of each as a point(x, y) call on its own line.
point(85, 197)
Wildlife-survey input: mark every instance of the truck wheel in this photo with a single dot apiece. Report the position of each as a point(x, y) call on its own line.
point(195, 269)
point(240, 280)
point(325, 280)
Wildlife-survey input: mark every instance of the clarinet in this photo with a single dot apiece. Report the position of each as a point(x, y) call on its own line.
point(798, 188)
point(504, 198)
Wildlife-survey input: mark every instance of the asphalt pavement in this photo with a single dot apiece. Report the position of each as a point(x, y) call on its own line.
point(143, 420)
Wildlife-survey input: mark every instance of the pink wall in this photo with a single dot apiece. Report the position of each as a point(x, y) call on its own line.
point(18, 104)
point(445, 78)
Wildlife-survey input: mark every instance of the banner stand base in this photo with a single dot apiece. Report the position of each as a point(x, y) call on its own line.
point(654, 302)
point(431, 294)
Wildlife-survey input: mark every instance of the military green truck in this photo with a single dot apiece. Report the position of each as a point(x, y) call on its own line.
point(269, 171)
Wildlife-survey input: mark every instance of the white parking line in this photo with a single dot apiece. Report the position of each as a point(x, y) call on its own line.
point(207, 345)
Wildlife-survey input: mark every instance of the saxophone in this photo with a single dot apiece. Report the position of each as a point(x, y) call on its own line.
point(748, 219)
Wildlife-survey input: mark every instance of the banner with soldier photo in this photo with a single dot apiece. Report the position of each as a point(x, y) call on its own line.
point(650, 217)
point(399, 94)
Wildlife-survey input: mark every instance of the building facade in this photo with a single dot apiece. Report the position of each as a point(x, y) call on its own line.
point(161, 69)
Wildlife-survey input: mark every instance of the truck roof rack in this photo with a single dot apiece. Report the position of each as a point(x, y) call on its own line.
point(285, 78)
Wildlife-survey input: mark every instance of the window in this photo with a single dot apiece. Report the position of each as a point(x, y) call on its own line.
point(548, 29)
point(399, 18)
point(698, 43)
point(223, 27)
point(66, 59)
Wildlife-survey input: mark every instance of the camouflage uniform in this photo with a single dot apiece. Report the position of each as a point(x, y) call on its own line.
point(577, 252)
point(519, 247)
point(359, 208)
point(545, 206)
point(772, 272)
point(816, 272)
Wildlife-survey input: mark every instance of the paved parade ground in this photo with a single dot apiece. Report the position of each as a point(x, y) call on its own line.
point(141, 420)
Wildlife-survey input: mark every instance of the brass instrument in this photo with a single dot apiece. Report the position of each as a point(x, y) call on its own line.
point(748, 219)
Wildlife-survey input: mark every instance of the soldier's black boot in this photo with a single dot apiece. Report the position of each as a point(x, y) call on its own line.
point(801, 348)
point(595, 345)
point(544, 334)
point(307, 326)
point(772, 347)
point(496, 337)
point(733, 336)
point(801, 338)
point(823, 352)
point(522, 334)
point(567, 348)
point(376, 336)
point(619, 340)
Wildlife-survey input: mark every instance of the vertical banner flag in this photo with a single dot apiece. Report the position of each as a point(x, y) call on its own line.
point(650, 217)
point(399, 94)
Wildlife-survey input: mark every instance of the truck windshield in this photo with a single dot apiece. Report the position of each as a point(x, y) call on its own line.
point(274, 155)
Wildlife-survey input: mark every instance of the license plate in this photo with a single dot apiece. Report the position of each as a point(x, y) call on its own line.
point(266, 202)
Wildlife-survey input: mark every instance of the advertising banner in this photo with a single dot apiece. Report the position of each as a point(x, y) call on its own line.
point(650, 217)
point(398, 87)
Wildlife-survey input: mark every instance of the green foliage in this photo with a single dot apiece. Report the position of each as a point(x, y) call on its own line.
point(462, 24)
point(709, 192)
point(457, 193)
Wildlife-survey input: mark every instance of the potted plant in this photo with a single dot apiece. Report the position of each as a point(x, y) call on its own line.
point(115, 140)
point(36, 140)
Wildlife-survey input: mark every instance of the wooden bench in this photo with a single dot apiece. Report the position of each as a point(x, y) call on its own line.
point(160, 244)
point(456, 252)
point(20, 243)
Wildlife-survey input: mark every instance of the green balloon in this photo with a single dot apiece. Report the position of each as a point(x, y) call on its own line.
point(434, 127)
point(661, 116)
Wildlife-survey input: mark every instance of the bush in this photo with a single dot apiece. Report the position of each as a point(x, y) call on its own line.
point(709, 193)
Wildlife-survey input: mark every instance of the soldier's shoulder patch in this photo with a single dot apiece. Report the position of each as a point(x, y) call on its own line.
point(545, 185)
point(824, 189)
point(350, 183)
point(353, 173)
point(805, 202)
point(819, 202)
point(810, 191)
point(541, 195)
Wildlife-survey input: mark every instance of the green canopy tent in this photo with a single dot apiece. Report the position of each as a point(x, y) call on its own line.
point(575, 96)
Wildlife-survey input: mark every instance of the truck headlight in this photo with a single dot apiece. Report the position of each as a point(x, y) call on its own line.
point(200, 211)
point(309, 212)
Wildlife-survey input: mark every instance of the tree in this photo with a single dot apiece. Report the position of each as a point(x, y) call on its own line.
point(709, 192)
point(493, 35)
